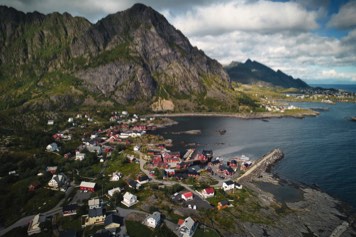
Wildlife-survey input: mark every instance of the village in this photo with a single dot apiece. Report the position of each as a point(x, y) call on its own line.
point(118, 169)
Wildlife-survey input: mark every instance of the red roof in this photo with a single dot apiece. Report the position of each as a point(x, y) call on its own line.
point(209, 190)
point(188, 194)
point(180, 222)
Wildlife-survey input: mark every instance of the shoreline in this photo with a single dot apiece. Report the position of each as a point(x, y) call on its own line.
point(262, 115)
point(313, 212)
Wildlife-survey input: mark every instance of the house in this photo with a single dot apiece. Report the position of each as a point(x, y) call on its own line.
point(208, 192)
point(227, 170)
point(228, 185)
point(113, 221)
point(94, 203)
point(87, 186)
point(50, 122)
point(187, 227)
point(115, 176)
point(34, 186)
point(223, 204)
point(60, 182)
point(69, 210)
point(153, 220)
point(34, 226)
point(51, 169)
point(133, 184)
point(79, 156)
point(111, 192)
point(70, 120)
point(52, 147)
point(96, 216)
point(129, 199)
point(142, 179)
point(187, 196)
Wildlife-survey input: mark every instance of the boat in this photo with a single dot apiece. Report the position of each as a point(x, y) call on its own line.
point(353, 118)
point(222, 131)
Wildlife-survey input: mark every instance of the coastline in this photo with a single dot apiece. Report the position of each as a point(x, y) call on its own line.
point(261, 115)
point(314, 212)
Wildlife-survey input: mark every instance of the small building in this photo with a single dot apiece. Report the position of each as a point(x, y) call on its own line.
point(187, 227)
point(94, 203)
point(70, 210)
point(96, 216)
point(113, 222)
point(223, 204)
point(142, 179)
point(70, 120)
point(208, 192)
point(228, 185)
point(133, 184)
point(153, 220)
point(34, 226)
point(50, 122)
point(116, 176)
point(129, 199)
point(53, 147)
point(34, 186)
point(187, 196)
point(111, 192)
point(87, 186)
point(60, 182)
point(52, 169)
point(79, 156)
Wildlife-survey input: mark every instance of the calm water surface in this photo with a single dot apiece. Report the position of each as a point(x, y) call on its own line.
point(318, 151)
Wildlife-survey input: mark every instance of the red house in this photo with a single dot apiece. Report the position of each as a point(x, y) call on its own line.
point(87, 186)
point(187, 196)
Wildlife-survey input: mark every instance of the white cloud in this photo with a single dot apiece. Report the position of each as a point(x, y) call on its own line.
point(263, 16)
point(345, 18)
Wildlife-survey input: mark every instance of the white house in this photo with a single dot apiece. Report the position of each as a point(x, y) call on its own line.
point(115, 176)
point(111, 192)
point(59, 181)
point(228, 185)
point(187, 196)
point(187, 227)
point(52, 147)
point(129, 199)
point(79, 156)
point(94, 203)
point(70, 120)
point(50, 122)
point(153, 220)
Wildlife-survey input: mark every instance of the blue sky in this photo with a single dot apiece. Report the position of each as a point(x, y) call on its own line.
point(314, 40)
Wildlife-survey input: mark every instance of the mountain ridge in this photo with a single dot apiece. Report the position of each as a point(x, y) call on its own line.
point(129, 57)
point(253, 72)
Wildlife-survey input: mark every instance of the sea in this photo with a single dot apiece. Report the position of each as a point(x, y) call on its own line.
point(319, 151)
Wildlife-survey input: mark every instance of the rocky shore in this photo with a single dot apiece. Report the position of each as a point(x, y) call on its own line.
point(314, 213)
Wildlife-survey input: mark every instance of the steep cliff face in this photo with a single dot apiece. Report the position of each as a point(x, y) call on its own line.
point(252, 72)
point(127, 57)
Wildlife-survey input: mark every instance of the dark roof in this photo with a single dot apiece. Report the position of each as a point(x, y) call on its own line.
point(96, 212)
point(229, 182)
point(112, 218)
point(224, 202)
point(143, 178)
point(132, 183)
point(103, 233)
point(68, 233)
point(70, 207)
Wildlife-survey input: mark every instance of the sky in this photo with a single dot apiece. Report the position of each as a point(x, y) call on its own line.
point(314, 40)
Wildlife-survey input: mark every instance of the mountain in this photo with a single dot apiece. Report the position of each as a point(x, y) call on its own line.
point(252, 72)
point(130, 58)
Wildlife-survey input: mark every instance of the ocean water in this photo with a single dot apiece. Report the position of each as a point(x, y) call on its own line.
point(318, 150)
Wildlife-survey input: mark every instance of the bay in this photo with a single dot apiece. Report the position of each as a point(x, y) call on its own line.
point(318, 150)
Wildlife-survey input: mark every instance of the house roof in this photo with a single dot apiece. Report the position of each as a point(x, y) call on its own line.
point(96, 212)
point(224, 202)
point(229, 182)
point(188, 222)
point(143, 178)
point(188, 194)
point(132, 183)
point(94, 202)
point(112, 218)
point(128, 195)
point(87, 184)
point(209, 190)
point(156, 215)
point(70, 207)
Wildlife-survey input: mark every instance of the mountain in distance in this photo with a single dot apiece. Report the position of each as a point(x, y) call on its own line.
point(253, 72)
point(130, 58)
